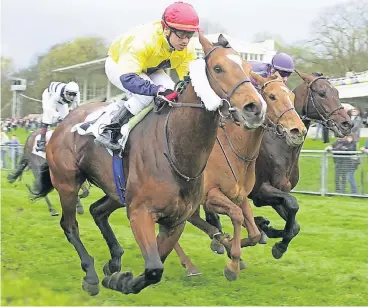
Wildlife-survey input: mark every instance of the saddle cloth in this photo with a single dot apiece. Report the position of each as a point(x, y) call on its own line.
point(96, 121)
point(41, 154)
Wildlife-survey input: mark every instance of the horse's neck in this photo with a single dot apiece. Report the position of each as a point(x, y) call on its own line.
point(191, 134)
point(245, 143)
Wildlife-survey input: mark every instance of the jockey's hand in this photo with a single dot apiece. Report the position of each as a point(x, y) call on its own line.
point(168, 94)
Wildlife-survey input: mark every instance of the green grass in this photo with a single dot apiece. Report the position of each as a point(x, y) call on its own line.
point(325, 265)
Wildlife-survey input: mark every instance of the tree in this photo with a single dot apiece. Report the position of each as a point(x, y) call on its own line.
point(78, 51)
point(7, 69)
point(340, 37)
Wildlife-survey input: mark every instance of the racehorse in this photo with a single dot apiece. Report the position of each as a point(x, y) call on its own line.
point(36, 164)
point(278, 164)
point(164, 160)
point(230, 172)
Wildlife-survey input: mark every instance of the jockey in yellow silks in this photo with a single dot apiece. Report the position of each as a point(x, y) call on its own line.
point(137, 60)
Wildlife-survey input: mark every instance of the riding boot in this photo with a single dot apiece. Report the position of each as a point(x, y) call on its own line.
point(110, 134)
point(41, 143)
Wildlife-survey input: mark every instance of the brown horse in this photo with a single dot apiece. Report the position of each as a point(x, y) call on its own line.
point(230, 172)
point(37, 166)
point(278, 164)
point(164, 160)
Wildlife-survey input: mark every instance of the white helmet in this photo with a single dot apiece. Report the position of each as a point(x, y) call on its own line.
point(71, 91)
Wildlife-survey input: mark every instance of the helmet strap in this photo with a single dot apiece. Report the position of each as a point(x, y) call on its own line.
point(165, 26)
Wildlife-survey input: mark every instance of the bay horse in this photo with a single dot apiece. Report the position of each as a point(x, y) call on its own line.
point(277, 166)
point(36, 164)
point(230, 173)
point(164, 160)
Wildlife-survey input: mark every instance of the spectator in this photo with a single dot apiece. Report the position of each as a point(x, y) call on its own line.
point(15, 149)
point(357, 121)
point(3, 140)
point(345, 163)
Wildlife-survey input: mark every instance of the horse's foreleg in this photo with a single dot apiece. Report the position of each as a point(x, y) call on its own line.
point(254, 234)
point(214, 220)
point(80, 209)
point(69, 224)
point(143, 227)
point(85, 190)
point(100, 211)
point(219, 203)
point(287, 207)
point(192, 270)
point(51, 209)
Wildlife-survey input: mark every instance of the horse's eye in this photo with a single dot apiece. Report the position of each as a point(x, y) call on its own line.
point(217, 69)
point(272, 97)
point(322, 94)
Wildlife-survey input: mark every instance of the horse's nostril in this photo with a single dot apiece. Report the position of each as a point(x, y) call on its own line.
point(252, 108)
point(295, 131)
point(347, 124)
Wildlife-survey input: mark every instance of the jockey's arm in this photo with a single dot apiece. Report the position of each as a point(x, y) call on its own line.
point(53, 102)
point(131, 63)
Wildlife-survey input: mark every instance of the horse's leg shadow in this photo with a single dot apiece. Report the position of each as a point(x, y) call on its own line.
point(100, 211)
point(287, 207)
point(69, 224)
point(154, 252)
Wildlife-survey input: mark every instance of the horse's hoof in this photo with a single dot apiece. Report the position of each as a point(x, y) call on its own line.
point(229, 274)
point(263, 239)
point(217, 247)
point(80, 210)
point(277, 252)
point(106, 269)
point(242, 265)
point(91, 289)
point(194, 271)
point(54, 213)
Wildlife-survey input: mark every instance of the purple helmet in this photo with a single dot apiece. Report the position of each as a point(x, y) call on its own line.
point(260, 68)
point(283, 62)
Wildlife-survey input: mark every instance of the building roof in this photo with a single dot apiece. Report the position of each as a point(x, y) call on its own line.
point(91, 64)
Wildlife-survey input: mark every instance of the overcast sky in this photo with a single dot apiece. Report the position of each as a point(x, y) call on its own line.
point(31, 27)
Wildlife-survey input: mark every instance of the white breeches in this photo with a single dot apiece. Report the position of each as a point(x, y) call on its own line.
point(136, 102)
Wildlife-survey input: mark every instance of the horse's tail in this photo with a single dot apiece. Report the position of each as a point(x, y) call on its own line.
point(23, 163)
point(42, 185)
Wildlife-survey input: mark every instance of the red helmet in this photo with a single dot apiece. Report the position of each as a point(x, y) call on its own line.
point(181, 16)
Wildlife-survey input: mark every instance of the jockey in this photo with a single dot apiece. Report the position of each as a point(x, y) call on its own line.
point(137, 60)
point(57, 99)
point(281, 62)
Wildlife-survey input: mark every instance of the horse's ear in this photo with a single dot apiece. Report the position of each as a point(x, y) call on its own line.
point(223, 41)
point(306, 77)
point(259, 79)
point(275, 76)
point(206, 44)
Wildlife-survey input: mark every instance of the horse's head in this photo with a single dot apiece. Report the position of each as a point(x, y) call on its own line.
point(316, 99)
point(280, 109)
point(229, 77)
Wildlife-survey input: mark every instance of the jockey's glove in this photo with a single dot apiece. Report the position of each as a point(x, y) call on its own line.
point(168, 94)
